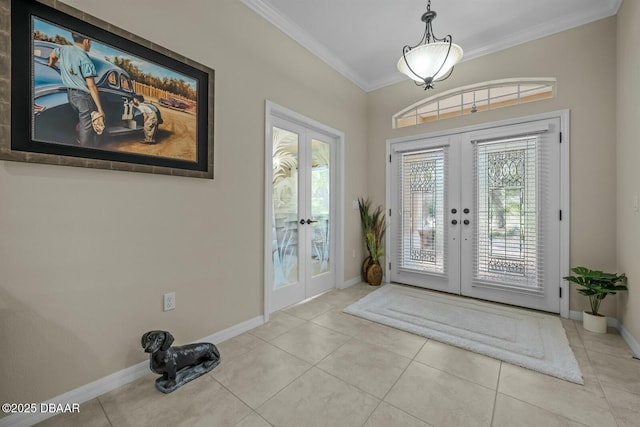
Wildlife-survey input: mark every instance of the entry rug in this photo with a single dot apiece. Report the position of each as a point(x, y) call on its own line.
point(529, 339)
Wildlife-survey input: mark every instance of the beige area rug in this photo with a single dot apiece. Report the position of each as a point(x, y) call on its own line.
point(525, 338)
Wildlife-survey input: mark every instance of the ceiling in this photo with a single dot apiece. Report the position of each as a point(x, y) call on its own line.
point(363, 39)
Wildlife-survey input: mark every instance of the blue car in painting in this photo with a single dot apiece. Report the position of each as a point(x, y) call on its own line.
point(55, 120)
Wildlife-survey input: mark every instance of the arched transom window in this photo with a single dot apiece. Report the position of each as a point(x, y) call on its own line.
point(475, 98)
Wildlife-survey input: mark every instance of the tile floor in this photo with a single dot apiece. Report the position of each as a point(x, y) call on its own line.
point(312, 365)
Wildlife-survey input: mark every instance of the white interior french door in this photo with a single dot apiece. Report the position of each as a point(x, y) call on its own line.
point(477, 213)
point(303, 213)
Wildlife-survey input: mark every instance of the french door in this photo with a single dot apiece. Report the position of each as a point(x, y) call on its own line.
point(303, 213)
point(478, 214)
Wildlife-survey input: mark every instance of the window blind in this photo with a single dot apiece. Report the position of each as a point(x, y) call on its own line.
point(423, 179)
point(508, 234)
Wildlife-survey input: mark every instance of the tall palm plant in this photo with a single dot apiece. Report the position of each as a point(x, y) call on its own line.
point(373, 229)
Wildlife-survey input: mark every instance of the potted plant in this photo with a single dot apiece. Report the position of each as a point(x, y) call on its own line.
point(373, 229)
point(596, 285)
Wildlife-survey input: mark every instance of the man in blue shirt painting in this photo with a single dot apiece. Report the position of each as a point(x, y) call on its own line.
point(78, 74)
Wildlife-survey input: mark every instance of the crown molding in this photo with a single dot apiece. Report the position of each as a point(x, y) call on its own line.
point(303, 38)
point(291, 29)
point(545, 29)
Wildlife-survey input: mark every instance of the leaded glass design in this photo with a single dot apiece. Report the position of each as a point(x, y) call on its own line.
point(320, 206)
point(506, 178)
point(423, 199)
point(285, 207)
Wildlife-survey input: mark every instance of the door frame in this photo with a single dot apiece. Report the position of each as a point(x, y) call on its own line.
point(565, 226)
point(274, 110)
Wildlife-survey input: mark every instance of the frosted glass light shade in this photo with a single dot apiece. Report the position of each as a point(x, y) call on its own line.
point(427, 58)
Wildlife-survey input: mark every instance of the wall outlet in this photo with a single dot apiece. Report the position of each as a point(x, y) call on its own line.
point(169, 301)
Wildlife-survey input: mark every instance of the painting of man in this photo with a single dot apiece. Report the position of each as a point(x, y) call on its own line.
point(78, 75)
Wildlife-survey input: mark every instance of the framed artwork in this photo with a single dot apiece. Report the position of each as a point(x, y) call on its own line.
point(85, 93)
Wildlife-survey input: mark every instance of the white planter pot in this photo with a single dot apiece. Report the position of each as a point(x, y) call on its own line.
point(593, 323)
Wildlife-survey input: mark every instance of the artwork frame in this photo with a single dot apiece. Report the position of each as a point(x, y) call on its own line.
point(39, 124)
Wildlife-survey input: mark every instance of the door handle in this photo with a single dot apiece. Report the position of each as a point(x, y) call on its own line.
point(309, 221)
point(454, 222)
point(302, 222)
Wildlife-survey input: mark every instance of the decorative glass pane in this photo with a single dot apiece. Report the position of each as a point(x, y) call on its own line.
point(320, 206)
point(476, 98)
point(285, 207)
point(505, 192)
point(423, 201)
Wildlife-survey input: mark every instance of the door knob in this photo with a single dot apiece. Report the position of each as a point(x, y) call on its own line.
point(466, 222)
point(454, 222)
point(310, 221)
point(454, 211)
point(466, 210)
point(302, 221)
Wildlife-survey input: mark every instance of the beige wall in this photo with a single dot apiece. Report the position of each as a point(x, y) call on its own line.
point(85, 255)
point(628, 155)
point(585, 85)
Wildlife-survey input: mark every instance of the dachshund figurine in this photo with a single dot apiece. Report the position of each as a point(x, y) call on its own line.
point(177, 365)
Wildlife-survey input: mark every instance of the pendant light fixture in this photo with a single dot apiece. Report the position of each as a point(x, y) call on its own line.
point(432, 59)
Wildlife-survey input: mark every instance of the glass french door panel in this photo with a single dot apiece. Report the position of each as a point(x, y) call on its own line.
point(507, 240)
point(320, 207)
point(423, 201)
point(285, 207)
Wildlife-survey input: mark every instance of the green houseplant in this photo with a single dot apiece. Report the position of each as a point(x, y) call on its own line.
point(596, 285)
point(373, 229)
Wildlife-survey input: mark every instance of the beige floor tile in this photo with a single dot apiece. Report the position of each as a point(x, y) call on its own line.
point(253, 420)
point(338, 298)
point(309, 309)
point(367, 366)
point(591, 380)
point(585, 404)
point(319, 399)
point(400, 342)
point(574, 337)
point(622, 372)
point(237, 346)
point(386, 415)
point(625, 406)
point(310, 342)
point(202, 402)
point(471, 366)
point(510, 412)
point(90, 415)
point(441, 399)
point(341, 322)
point(610, 343)
point(278, 324)
point(126, 399)
point(360, 290)
point(259, 374)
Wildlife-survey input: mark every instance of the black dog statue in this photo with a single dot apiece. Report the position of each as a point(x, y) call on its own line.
point(178, 365)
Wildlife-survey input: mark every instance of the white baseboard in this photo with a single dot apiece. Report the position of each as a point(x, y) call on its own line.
point(615, 323)
point(350, 282)
point(111, 382)
point(630, 340)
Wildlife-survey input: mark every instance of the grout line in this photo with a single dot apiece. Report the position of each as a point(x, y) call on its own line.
point(543, 409)
point(463, 378)
point(495, 396)
point(104, 411)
